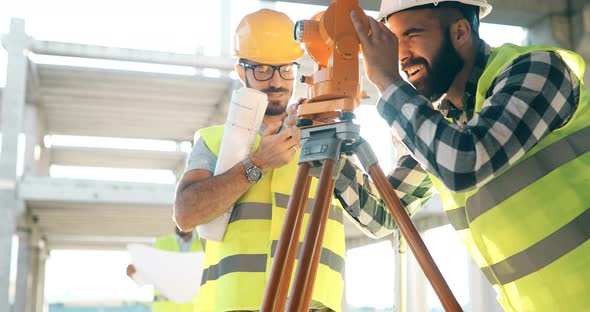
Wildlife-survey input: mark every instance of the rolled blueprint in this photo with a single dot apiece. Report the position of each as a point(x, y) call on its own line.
point(243, 122)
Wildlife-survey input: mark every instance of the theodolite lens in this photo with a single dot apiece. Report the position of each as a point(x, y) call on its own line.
point(298, 31)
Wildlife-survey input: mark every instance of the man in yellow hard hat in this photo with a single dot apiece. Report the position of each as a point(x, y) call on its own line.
point(236, 269)
point(178, 242)
point(503, 135)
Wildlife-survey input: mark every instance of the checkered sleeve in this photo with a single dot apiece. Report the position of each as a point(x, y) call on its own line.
point(363, 204)
point(533, 96)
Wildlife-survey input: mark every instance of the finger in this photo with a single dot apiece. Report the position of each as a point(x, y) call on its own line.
point(271, 128)
point(290, 121)
point(374, 27)
point(295, 136)
point(292, 108)
point(385, 31)
point(286, 134)
point(359, 27)
point(292, 141)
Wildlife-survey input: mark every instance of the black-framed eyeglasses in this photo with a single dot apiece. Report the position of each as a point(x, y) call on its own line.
point(264, 72)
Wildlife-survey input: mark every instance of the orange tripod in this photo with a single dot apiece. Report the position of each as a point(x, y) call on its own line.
point(327, 133)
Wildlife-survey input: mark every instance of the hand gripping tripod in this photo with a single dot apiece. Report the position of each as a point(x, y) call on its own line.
point(326, 144)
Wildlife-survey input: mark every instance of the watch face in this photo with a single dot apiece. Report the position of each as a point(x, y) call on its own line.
point(254, 174)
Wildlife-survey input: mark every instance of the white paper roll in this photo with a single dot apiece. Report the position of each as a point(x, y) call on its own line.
point(243, 122)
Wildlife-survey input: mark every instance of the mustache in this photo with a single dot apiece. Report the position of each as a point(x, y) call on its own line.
point(412, 62)
point(273, 89)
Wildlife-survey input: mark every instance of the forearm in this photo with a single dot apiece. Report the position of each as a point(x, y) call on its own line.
point(199, 202)
point(363, 204)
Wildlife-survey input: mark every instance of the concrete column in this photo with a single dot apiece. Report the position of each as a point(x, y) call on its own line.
point(13, 97)
point(38, 286)
point(225, 33)
point(7, 225)
point(551, 30)
point(36, 158)
point(23, 273)
point(16, 44)
point(416, 284)
point(400, 273)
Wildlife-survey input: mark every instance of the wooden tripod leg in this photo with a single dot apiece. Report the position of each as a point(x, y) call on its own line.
point(414, 240)
point(277, 287)
point(312, 245)
point(318, 254)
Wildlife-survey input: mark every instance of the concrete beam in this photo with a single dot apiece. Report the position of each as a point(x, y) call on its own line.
point(115, 158)
point(222, 63)
point(75, 190)
point(95, 242)
point(218, 115)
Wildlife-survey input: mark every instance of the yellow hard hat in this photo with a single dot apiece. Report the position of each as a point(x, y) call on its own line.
point(266, 36)
point(389, 7)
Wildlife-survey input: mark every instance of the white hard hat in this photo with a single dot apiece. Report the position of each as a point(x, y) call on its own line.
point(389, 7)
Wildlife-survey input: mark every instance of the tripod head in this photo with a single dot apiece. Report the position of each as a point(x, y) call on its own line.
point(334, 87)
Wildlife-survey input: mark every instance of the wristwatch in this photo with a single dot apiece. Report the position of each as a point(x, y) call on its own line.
point(253, 173)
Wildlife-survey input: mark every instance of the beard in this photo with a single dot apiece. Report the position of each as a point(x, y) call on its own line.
point(440, 75)
point(274, 107)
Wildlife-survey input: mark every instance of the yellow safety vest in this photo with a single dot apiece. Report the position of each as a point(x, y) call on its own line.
point(161, 303)
point(528, 228)
point(236, 270)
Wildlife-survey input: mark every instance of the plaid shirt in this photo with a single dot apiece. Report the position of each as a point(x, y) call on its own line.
point(533, 96)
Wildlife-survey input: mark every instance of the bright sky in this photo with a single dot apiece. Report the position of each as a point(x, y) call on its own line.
point(184, 26)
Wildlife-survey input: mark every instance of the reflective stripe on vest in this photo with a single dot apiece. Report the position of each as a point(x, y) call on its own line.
point(529, 227)
point(521, 176)
point(257, 263)
point(262, 211)
point(528, 171)
point(236, 269)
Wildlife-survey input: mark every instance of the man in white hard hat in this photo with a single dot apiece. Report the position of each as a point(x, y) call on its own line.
point(502, 133)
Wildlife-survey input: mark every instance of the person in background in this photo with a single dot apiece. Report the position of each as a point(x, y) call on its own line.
point(178, 242)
